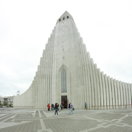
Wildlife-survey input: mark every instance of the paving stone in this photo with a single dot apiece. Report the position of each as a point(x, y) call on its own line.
point(69, 125)
point(22, 120)
point(114, 129)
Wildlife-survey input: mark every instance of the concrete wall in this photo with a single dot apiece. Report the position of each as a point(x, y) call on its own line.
point(24, 100)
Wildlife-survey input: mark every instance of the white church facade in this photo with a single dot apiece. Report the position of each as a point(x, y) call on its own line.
point(66, 73)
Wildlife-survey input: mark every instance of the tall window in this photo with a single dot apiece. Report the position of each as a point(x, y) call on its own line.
point(63, 81)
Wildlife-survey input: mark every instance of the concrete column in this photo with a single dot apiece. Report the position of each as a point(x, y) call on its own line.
point(54, 79)
point(104, 91)
point(131, 93)
point(123, 90)
point(37, 90)
point(83, 77)
point(129, 96)
point(110, 92)
point(121, 94)
point(96, 87)
point(100, 89)
point(85, 80)
point(125, 95)
point(88, 82)
point(48, 100)
point(92, 84)
point(116, 93)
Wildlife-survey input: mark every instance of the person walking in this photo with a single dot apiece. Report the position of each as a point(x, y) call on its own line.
point(56, 108)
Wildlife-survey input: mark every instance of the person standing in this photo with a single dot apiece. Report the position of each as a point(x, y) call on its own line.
point(61, 106)
point(86, 106)
point(56, 108)
point(48, 106)
point(52, 107)
point(71, 108)
point(69, 105)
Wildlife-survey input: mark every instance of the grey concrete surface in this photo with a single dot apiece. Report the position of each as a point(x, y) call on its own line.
point(22, 120)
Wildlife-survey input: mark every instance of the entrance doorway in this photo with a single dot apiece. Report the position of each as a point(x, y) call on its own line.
point(64, 101)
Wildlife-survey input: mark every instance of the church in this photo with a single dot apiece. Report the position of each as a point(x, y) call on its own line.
point(67, 74)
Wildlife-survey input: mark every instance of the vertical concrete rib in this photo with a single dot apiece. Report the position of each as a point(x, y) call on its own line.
point(117, 94)
point(83, 76)
point(89, 83)
point(92, 84)
point(104, 91)
point(114, 94)
point(129, 94)
point(121, 92)
point(109, 91)
point(100, 89)
point(96, 86)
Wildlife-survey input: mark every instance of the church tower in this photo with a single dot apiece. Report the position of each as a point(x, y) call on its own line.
point(66, 73)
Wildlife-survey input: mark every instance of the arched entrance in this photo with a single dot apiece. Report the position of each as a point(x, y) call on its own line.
point(64, 101)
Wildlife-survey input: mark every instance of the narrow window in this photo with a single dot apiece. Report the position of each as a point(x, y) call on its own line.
point(67, 17)
point(63, 18)
point(63, 81)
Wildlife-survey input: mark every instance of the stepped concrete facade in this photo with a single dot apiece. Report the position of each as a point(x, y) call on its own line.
point(66, 73)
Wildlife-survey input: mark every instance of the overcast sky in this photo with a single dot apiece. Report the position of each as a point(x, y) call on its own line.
point(25, 26)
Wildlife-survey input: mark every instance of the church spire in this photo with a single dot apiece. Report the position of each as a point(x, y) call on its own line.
point(66, 15)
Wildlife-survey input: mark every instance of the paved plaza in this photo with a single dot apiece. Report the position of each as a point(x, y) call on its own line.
point(22, 120)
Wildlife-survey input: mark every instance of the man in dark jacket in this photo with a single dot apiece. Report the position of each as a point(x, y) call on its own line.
point(56, 108)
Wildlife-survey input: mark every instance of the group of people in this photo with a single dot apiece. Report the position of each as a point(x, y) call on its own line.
point(53, 107)
point(56, 107)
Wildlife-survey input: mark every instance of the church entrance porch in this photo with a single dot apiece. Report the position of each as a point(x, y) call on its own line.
point(64, 101)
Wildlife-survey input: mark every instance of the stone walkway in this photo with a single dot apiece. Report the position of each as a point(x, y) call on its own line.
point(21, 120)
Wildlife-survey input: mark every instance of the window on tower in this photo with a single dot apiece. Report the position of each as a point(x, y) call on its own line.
point(63, 80)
